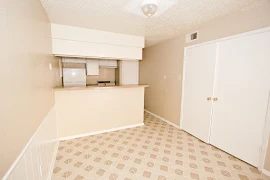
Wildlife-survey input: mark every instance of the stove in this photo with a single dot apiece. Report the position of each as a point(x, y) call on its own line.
point(106, 83)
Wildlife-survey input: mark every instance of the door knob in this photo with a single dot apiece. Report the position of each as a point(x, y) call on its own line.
point(209, 99)
point(215, 99)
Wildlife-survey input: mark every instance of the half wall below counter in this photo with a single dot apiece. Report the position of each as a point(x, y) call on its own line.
point(91, 110)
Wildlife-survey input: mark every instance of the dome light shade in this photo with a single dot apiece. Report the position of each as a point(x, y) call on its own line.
point(149, 7)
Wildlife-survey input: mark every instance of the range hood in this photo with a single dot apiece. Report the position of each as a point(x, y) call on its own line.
point(107, 63)
point(101, 63)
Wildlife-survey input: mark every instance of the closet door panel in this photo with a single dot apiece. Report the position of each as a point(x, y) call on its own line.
point(242, 88)
point(198, 86)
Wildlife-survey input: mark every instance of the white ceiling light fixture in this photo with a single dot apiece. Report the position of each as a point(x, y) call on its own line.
point(149, 7)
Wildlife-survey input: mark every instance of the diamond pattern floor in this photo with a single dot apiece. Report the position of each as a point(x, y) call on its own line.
point(153, 151)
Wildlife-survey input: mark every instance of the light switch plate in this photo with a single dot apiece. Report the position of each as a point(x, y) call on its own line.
point(50, 66)
point(164, 76)
point(179, 77)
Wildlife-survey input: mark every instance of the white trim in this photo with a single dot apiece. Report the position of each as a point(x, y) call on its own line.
point(161, 118)
point(53, 161)
point(262, 30)
point(183, 89)
point(265, 137)
point(266, 172)
point(213, 92)
point(21, 155)
point(100, 132)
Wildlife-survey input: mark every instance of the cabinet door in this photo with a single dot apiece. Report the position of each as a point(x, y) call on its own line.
point(199, 70)
point(242, 88)
point(129, 72)
point(92, 67)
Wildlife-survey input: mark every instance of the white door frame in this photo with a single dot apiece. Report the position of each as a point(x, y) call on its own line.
point(265, 140)
point(266, 131)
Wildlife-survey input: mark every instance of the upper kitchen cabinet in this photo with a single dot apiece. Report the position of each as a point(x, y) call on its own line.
point(128, 72)
point(92, 67)
point(68, 41)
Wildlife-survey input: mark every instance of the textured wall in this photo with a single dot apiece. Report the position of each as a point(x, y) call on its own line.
point(26, 81)
point(163, 97)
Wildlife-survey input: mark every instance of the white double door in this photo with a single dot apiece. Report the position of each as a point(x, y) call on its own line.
point(226, 94)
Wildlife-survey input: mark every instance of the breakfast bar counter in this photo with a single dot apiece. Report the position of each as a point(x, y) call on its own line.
point(83, 111)
point(95, 87)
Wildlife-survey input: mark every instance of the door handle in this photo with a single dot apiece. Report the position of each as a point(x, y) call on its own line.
point(209, 99)
point(215, 99)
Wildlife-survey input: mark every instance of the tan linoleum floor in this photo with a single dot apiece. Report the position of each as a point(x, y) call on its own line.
point(156, 150)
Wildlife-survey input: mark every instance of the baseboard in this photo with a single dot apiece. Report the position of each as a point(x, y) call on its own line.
point(161, 118)
point(266, 172)
point(100, 132)
point(53, 160)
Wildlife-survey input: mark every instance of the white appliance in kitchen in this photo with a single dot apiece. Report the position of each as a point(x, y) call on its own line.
point(74, 77)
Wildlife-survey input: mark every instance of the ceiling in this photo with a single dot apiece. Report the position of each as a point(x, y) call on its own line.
point(124, 16)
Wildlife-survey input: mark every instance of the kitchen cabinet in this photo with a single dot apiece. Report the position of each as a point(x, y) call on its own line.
point(129, 72)
point(92, 67)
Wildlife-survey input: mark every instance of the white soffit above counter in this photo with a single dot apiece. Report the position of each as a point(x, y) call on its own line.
point(95, 36)
point(68, 41)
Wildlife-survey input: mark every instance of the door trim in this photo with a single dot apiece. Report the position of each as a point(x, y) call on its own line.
point(265, 136)
point(266, 131)
point(214, 84)
point(183, 89)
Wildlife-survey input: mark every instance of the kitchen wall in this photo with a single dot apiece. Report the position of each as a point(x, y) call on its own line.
point(105, 74)
point(74, 65)
point(162, 64)
point(26, 81)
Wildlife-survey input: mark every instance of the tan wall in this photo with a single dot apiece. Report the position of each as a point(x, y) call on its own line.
point(26, 81)
point(163, 96)
point(85, 111)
